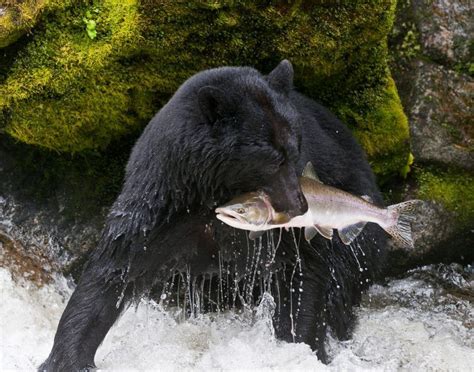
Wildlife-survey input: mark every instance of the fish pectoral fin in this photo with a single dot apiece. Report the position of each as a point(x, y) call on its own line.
point(309, 232)
point(309, 172)
point(349, 233)
point(367, 198)
point(255, 234)
point(324, 231)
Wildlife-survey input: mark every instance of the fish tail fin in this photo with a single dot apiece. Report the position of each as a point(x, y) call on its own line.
point(402, 215)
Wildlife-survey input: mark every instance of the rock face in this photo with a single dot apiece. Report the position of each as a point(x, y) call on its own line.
point(446, 28)
point(439, 101)
point(437, 239)
point(432, 65)
point(442, 116)
point(42, 228)
point(38, 242)
point(17, 17)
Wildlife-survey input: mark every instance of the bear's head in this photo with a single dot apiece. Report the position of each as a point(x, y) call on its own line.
point(258, 132)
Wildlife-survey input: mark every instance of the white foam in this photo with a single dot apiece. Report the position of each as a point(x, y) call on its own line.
point(388, 338)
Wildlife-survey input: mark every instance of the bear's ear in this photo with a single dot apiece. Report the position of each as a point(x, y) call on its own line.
point(213, 103)
point(281, 78)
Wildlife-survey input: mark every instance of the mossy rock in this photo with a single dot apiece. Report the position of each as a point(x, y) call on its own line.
point(454, 189)
point(18, 16)
point(93, 72)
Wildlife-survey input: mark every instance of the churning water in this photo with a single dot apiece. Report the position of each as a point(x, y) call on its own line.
point(423, 322)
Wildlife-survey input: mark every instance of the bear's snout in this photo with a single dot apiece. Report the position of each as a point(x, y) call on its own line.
point(297, 205)
point(285, 193)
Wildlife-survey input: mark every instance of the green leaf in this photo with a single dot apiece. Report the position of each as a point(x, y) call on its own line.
point(91, 28)
point(92, 33)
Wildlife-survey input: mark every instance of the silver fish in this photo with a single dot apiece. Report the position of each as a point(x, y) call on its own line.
point(329, 208)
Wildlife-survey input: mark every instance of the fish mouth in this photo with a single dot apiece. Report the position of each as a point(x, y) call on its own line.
point(228, 215)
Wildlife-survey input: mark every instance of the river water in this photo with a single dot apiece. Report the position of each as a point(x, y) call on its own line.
point(421, 322)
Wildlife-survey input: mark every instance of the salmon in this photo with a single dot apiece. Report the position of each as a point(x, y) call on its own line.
point(329, 209)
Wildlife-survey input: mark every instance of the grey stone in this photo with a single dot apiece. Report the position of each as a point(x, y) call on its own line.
point(441, 116)
point(430, 227)
point(436, 239)
point(446, 28)
point(37, 235)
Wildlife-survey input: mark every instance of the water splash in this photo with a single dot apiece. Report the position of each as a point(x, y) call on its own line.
point(421, 322)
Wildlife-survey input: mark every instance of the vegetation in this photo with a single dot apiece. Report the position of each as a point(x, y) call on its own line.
point(452, 188)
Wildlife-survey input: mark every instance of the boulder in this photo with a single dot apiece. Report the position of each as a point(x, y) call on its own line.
point(446, 28)
point(441, 116)
point(52, 208)
point(92, 73)
point(431, 64)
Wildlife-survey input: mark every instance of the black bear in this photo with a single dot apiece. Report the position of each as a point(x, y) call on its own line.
point(227, 131)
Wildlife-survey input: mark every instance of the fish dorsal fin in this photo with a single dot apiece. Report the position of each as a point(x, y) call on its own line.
point(309, 232)
point(255, 234)
point(349, 233)
point(309, 172)
point(367, 198)
point(324, 231)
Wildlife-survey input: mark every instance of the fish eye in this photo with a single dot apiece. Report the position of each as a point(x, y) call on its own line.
point(240, 210)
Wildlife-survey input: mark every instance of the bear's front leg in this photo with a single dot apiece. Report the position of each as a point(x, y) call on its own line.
point(90, 313)
point(302, 315)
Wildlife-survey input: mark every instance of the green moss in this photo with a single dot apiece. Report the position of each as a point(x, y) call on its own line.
point(407, 168)
point(382, 131)
point(453, 188)
point(404, 39)
point(71, 93)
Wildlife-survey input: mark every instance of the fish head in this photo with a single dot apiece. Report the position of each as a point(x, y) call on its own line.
point(251, 211)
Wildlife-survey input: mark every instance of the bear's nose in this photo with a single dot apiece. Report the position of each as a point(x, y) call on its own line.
point(295, 205)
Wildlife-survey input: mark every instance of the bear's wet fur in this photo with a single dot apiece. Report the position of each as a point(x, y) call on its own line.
point(227, 131)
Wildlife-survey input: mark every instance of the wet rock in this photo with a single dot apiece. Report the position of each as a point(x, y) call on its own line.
point(17, 17)
point(446, 28)
point(25, 263)
point(437, 237)
point(37, 241)
point(41, 230)
point(430, 227)
point(441, 116)
point(431, 63)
